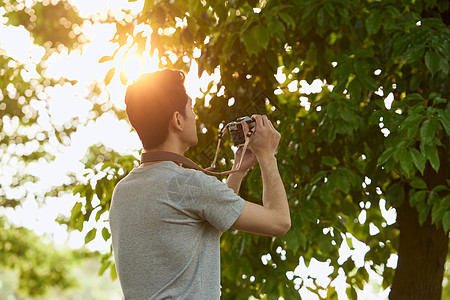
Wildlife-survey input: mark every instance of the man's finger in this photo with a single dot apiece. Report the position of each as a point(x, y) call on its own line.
point(270, 124)
point(245, 127)
point(259, 120)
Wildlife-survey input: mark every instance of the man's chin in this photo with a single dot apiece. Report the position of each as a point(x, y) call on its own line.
point(193, 144)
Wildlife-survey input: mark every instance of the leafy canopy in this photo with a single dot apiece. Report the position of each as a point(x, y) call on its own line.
point(373, 135)
point(346, 151)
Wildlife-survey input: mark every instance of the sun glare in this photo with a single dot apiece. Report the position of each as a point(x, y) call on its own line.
point(135, 65)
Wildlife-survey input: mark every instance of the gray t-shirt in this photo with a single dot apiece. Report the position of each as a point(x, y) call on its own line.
point(165, 223)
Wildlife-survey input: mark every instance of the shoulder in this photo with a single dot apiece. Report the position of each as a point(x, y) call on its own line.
point(195, 177)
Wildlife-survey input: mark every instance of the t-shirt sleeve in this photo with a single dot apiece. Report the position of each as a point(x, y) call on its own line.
point(220, 205)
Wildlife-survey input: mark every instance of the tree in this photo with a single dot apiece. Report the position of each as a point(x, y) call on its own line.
point(29, 135)
point(344, 148)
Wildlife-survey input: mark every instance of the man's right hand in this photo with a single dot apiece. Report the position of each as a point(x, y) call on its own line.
point(273, 217)
point(265, 138)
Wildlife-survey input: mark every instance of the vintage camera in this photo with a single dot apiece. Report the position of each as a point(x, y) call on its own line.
point(237, 132)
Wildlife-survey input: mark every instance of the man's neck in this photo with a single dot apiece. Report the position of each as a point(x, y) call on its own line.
point(166, 148)
point(177, 150)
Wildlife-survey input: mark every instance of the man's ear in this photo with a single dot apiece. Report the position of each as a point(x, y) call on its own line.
point(176, 121)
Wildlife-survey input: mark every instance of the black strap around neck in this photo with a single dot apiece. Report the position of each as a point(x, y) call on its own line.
point(176, 158)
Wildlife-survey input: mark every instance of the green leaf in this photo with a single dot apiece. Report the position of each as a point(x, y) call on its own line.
point(330, 161)
point(444, 117)
point(326, 195)
point(432, 61)
point(350, 243)
point(362, 272)
point(332, 110)
point(416, 197)
point(329, 8)
point(374, 118)
point(361, 69)
point(321, 19)
point(418, 159)
point(424, 210)
point(325, 244)
point(343, 184)
point(332, 134)
point(261, 35)
point(99, 214)
point(292, 240)
point(411, 121)
point(368, 82)
point(90, 235)
point(437, 213)
point(395, 194)
point(427, 131)
point(414, 53)
point(347, 115)
point(373, 23)
point(443, 65)
point(434, 95)
point(99, 190)
point(418, 183)
point(413, 96)
point(354, 89)
point(439, 100)
point(343, 11)
point(275, 26)
point(250, 43)
point(76, 210)
point(228, 45)
point(302, 240)
point(388, 275)
point(446, 221)
point(79, 223)
point(104, 266)
point(105, 233)
point(113, 271)
point(287, 19)
point(343, 70)
point(406, 163)
point(78, 189)
point(445, 203)
point(430, 153)
point(433, 197)
point(386, 155)
point(351, 293)
point(319, 175)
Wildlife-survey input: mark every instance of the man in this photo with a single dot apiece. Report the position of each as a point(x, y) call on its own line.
point(166, 220)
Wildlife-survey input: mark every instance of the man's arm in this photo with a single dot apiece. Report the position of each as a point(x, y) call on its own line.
point(234, 181)
point(272, 217)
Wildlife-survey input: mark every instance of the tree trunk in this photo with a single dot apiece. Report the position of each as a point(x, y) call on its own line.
point(421, 257)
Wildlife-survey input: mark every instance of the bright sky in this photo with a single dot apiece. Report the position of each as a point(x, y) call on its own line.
point(69, 101)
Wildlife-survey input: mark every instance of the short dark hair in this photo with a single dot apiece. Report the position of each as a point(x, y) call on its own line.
point(151, 102)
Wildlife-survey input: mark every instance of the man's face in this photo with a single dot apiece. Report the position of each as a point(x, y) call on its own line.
point(190, 136)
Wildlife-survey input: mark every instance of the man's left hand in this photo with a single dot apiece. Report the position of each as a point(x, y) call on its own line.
point(248, 161)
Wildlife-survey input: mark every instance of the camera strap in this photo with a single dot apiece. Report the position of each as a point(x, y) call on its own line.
point(154, 156)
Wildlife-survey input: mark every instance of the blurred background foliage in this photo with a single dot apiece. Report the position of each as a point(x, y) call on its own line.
point(27, 136)
point(347, 153)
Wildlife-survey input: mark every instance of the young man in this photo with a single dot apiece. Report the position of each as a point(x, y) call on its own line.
point(166, 220)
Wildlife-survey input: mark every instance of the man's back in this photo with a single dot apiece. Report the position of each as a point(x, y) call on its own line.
point(165, 223)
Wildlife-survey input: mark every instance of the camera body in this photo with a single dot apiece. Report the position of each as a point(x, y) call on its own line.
point(237, 132)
